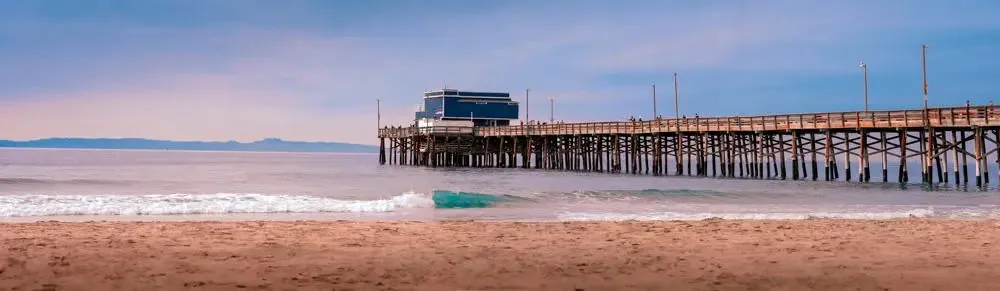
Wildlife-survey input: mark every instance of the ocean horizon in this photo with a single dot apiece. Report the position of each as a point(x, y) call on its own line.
point(187, 150)
point(262, 145)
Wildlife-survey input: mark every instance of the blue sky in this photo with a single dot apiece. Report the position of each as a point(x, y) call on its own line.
point(311, 70)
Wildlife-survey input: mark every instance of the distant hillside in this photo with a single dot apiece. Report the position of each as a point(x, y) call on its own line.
point(265, 145)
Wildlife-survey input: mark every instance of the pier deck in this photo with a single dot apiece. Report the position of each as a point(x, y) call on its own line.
point(732, 146)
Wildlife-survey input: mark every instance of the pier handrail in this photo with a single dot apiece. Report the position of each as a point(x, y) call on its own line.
point(397, 132)
point(936, 117)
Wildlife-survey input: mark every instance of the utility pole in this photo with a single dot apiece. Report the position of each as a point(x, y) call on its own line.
point(678, 139)
point(527, 106)
point(926, 165)
point(552, 109)
point(654, 102)
point(677, 110)
point(923, 56)
point(864, 69)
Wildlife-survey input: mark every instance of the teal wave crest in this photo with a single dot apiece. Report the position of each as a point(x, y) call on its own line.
point(451, 199)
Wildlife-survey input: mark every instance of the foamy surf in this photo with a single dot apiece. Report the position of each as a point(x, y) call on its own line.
point(181, 204)
point(664, 216)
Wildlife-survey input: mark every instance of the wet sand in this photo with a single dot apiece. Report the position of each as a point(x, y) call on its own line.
point(910, 254)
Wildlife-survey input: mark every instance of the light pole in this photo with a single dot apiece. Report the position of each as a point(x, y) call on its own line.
point(926, 161)
point(864, 69)
point(654, 102)
point(552, 109)
point(677, 110)
point(923, 57)
point(527, 106)
point(378, 112)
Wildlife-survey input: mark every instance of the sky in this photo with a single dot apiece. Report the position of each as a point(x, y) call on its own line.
point(219, 70)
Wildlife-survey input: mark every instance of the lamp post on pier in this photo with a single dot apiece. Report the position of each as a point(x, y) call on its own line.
point(864, 70)
point(677, 109)
point(655, 116)
point(552, 110)
point(923, 67)
point(925, 165)
point(527, 106)
point(923, 58)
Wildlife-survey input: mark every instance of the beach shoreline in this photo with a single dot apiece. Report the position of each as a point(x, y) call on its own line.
point(815, 254)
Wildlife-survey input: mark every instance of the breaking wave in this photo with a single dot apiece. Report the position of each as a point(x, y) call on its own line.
point(224, 203)
point(449, 199)
point(174, 204)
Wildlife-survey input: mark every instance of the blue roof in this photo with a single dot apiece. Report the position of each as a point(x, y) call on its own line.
point(453, 92)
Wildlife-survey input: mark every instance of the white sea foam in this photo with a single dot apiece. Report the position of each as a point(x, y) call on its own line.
point(220, 203)
point(581, 216)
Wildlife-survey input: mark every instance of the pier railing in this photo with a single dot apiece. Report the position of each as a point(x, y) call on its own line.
point(935, 117)
point(400, 132)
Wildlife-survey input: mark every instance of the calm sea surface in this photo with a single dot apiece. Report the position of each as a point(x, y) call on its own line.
point(107, 184)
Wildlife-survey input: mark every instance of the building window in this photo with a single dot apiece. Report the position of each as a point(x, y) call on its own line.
point(484, 101)
point(484, 94)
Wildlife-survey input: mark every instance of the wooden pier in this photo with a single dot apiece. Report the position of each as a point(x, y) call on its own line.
point(946, 141)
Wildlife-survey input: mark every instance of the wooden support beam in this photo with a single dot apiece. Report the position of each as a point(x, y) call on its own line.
point(795, 155)
point(996, 145)
point(864, 172)
point(978, 140)
point(815, 166)
point(829, 162)
point(713, 141)
point(883, 140)
point(847, 156)
point(933, 150)
point(925, 159)
point(955, 152)
point(904, 176)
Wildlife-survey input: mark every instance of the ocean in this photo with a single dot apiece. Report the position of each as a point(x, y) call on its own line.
point(74, 185)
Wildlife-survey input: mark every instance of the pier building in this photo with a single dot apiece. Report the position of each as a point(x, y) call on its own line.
point(482, 108)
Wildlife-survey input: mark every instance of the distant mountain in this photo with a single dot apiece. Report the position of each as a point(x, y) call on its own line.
point(265, 145)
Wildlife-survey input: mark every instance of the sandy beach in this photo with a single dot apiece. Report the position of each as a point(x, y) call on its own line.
point(907, 254)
